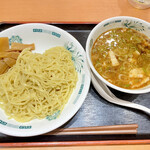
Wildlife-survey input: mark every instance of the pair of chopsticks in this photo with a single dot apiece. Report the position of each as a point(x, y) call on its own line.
point(97, 130)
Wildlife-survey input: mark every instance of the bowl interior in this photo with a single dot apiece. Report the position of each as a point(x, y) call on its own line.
point(117, 22)
point(44, 37)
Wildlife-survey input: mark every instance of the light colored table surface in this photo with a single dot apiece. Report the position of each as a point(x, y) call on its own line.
point(67, 11)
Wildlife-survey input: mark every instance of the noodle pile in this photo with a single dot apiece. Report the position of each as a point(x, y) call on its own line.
point(38, 85)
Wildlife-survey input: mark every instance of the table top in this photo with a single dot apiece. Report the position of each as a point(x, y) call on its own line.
point(67, 11)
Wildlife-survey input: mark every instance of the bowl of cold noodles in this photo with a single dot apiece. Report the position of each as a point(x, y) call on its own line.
point(44, 79)
point(118, 53)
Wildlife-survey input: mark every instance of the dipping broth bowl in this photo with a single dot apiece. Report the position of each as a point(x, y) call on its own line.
point(108, 24)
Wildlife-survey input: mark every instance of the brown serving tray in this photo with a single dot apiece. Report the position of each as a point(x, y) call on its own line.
point(95, 111)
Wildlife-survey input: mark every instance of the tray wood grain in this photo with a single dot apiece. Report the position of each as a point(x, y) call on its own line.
point(110, 147)
point(76, 143)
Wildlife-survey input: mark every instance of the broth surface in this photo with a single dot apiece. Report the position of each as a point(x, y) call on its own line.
point(122, 57)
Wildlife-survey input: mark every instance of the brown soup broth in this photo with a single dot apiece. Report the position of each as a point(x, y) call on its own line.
point(122, 57)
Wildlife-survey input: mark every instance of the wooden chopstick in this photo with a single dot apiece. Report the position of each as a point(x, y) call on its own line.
point(97, 130)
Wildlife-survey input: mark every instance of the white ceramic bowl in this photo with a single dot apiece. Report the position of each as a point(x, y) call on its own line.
point(116, 22)
point(46, 36)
